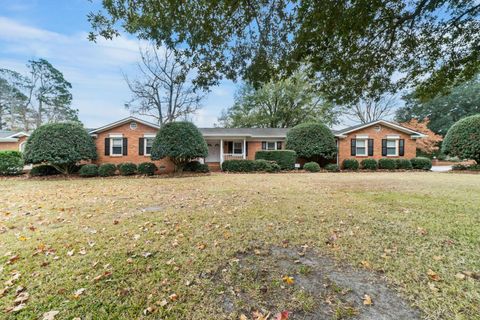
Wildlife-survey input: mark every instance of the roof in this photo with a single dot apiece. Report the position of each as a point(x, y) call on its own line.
point(123, 121)
point(391, 124)
point(5, 134)
point(12, 136)
point(246, 132)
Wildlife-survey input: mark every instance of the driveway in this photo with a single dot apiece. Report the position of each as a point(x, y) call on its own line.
point(441, 168)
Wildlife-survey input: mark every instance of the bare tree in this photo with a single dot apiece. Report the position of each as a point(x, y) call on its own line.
point(162, 90)
point(368, 110)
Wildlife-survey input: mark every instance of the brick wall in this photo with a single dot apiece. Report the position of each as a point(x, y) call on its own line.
point(12, 145)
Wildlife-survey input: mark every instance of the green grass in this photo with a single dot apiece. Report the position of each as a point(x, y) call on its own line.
point(401, 224)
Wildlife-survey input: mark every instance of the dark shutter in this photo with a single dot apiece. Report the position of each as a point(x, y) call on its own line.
point(370, 147)
point(125, 146)
point(230, 147)
point(401, 147)
point(384, 147)
point(246, 148)
point(264, 145)
point(279, 145)
point(353, 147)
point(141, 146)
point(107, 146)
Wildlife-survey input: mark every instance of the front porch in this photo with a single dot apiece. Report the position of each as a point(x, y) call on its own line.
point(223, 149)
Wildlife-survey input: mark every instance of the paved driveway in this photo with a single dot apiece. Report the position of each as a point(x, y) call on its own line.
point(441, 168)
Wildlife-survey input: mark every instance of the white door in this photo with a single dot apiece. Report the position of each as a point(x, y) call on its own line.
point(213, 152)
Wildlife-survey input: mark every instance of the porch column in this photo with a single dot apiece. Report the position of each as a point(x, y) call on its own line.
point(244, 148)
point(221, 151)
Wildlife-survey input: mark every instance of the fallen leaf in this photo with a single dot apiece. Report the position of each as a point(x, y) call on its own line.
point(366, 264)
point(50, 315)
point(367, 300)
point(433, 275)
point(288, 280)
point(243, 317)
point(149, 310)
point(104, 275)
point(173, 297)
point(21, 298)
point(22, 238)
point(70, 253)
point(79, 292)
point(460, 276)
point(162, 303)
point(282, 315)
point(16, 308)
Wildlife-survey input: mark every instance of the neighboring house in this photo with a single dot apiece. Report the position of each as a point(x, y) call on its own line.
point(10, 140)
point(130, 140)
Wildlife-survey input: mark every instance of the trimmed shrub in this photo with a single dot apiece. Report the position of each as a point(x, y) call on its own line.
point(369, 164)
point(127, 168)
point(312, 141)
point(238, 166)
point(179, 141)
point(43, 170)
point(332, 167)
point(311, 167)
point(11, 163)
point(284, 158)
point(60, 145)
point(88, 170)
point(463, 139)
point(404, 164)
point(196, 166)
point(107, 170)
point(421, 163)
point(386, 163)
point(262, 165)
point(147, 168)
point(273, 167)
point(350, 164)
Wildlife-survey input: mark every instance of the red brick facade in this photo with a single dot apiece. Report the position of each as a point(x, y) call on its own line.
point(15, 146)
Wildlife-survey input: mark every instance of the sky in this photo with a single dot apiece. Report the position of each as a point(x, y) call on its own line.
point(57, 30)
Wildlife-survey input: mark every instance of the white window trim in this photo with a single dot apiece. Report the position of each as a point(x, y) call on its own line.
point(22, 145)
point(274, 141)
point(397, 146)
point(366, 147)
point(233, 147)
point(145, 138)
point(111, 146)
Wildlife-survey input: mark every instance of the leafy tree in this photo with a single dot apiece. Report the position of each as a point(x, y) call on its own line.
point(181, 142)
point(430, 143)
point(444, 110)
point(312, 141)
point(463, 139)
point(356, 49)
point(279, 104)
point(60, 145)
point(12, 98)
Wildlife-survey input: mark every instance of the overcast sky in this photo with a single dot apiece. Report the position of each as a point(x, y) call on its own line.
point(57, 31)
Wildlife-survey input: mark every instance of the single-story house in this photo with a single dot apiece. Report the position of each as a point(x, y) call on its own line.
point(130, 140)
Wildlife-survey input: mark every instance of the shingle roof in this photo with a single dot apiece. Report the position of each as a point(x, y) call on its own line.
point(247, 132)
point(5, 133)
point(384, 122)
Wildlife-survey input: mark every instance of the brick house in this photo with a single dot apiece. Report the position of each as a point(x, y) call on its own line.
point(130, 140)
point(10, 140)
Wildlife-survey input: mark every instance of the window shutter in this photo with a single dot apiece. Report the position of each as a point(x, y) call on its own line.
point(246, 148)
point(384, 147)
point(125, 146)
point(141, 146)
point(107, 146)
point(401, 147)
point(264, 145)
point(354, 147)
point(279, 145)
point(370, 147)
point(230, 147)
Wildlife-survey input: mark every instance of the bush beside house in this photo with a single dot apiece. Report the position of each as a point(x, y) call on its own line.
point(11, 163)
point(284, 158)
point(350, 164)
point(250, 166)
point(311, 167)
point(147, 168)
point(387, 164)
point(43, 170)
point(88, 170)
point(369, 164)
point(421, 163)
point(463, 139)
point(404, 164)
point(196, 166)
point(127, 169)
point(332, 167)
point(107, 170)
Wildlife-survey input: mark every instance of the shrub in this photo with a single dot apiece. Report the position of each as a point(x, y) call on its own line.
point(369, 164)
point(313, 141)
point(311, 166)
point(43, 170)
point(238, 166)
point(196, 166)
point(262, 165)
point(11, 163)
point(421, 163)
point(463, 139)
point(147, 168)
point(179, 141)
point(386, 163)
point(107, 170)
point(459, 167)
point(88, 170)
point(284, 158)
point(403, 164)
point(127, 168)
point(332, 167)
point(273, 167)
point(60, 145)
point(350, 164)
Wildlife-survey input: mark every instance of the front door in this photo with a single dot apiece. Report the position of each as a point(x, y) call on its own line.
point(213, 152)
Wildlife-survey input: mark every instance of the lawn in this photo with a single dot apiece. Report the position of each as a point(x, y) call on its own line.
point(241, 246)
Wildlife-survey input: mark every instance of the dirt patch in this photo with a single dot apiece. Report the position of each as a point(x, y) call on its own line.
point(255, 283)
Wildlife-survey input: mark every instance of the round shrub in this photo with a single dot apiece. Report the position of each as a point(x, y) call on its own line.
point(404, 164)
point(350, 164)
point(127, 168)
point(369, 164)
point(60, 145)
point(332, 167)
point(43, 170)
point(313, 141)
point(421, 163)
point(147, 168)
point(196, 166)
point(273, 167)
point(11, 163)
point(179, 141)
point(284, 158)
point(107, 170)
point(311, 167)
point(387, 164)
point(88, 170)
point(463, 139)
point(262, 165)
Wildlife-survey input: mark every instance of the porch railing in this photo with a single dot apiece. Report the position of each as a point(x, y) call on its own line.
point(232, 156)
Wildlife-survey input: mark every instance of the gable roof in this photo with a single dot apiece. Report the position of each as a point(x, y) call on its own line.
point(123, 121)
point(12, 136)
point(390, 124)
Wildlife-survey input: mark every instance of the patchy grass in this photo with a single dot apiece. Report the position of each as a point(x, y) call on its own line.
point(168, 248)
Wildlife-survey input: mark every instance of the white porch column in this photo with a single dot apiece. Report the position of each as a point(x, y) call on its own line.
point(221, 151)
point(244, 148)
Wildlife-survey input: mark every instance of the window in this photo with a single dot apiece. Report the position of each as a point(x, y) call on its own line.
point(148, 146)
point(391, 147)
point(133, 125)
point(271, 145)
point(361, 147)
point(237, 148)
point(117, 146)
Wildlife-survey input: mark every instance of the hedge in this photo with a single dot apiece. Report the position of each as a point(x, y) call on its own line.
point(332, 167)
point(350, 164)
point(369, 164)
point(421, 163)
point(107, 170)
point(196, 166)
point(403, 164)
point(386, 163)
point(43, 170)
point(11, 163)
point(463, 139)
point(284, 158)
point(127, 168)
point(249, 166)
point(88, 170)
point(147, 168)
point(311, 167)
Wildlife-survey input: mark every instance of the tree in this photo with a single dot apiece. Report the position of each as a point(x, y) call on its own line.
point(443, 111)
point(463, 139)
point(279, 104)
point(312, 141)
point(162, 90)
point(357, 50)
point(368, 110)
point(430, 143)
point(181, 142)
point(12, 98)
point(61, 145)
